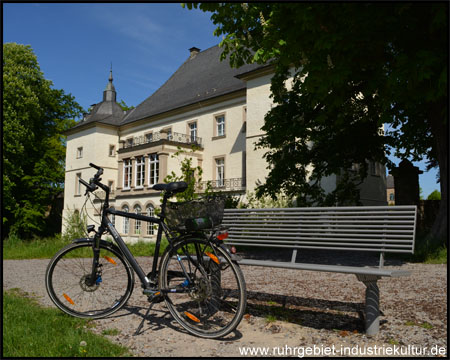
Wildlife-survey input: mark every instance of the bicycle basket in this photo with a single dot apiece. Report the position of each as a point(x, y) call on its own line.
point(211, 207)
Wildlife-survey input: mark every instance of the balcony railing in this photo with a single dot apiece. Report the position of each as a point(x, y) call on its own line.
point(233, 184)
point(157, 136)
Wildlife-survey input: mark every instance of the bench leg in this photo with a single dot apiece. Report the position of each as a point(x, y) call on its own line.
point(372, 306)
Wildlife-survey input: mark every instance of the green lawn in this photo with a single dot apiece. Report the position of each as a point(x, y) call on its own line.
point(45, 248)
point(30, 330)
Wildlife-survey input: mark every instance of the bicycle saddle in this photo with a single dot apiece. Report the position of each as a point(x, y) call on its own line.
point(173, 187)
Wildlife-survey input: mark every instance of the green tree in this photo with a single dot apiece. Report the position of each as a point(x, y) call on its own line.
point(354, 67)
point(34, 117)
point(435, 195)
point(124, 106)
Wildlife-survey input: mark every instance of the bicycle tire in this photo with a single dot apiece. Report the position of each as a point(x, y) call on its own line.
point(213, 303)
point(67, 274)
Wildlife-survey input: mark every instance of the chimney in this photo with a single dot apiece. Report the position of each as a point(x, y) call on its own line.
point(194, 51)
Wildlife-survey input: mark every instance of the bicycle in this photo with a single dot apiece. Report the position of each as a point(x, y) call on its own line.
point(198, 276)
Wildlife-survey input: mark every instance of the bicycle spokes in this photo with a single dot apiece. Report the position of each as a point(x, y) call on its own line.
point(204, 291)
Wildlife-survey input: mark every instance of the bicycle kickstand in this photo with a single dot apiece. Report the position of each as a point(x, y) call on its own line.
point(143, 319)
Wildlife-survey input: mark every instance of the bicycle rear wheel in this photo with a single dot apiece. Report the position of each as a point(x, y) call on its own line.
point(204, 290)
point(68, 282)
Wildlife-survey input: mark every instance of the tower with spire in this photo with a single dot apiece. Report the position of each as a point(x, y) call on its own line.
point(109, 94)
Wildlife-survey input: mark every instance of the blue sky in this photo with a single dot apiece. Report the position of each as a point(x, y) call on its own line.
point(146, 43)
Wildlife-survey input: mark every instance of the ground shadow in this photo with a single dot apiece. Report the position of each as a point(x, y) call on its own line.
point(314, 313)
point(159, 317)
point(314, 256)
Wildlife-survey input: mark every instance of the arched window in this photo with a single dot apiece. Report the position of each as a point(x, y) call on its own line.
point(150, 226)
point(137, 223)
point(126, 221)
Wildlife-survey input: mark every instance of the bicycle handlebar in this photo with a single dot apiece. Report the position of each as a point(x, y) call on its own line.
point(94, 182)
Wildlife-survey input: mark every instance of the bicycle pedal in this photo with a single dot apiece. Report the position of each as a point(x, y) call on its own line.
point(154, 296)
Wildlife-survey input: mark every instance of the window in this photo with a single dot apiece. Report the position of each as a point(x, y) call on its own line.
point(129, 142)
point(78, 184)
point(113, 220)
point(153, 169)
point(193, 131)
point(79, 152)
point(126, 221)
point(127, 173)
point(169, 134)
point(220, 125)
point(149, 137)
point(140, 171)
point(220, 171)
point(137, 223)
point(111, 185)
point(150, 226)
point(391, 197)
point(373, 168)
point(112, 150)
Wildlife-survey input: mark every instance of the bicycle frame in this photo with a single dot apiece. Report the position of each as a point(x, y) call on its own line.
point(106, 225)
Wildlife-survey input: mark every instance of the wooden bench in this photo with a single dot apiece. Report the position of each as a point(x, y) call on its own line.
point(376, 229)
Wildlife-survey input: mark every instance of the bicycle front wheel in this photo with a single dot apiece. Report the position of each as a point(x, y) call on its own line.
point(204, 289)
point(70, 287)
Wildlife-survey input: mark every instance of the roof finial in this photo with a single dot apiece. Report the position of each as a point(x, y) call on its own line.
point(110, 92)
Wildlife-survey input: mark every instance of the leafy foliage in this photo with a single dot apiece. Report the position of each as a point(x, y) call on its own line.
point(341, 72)
point(124, 106)
point(265, 202)
point(435, 195)
point(34, 118)
point(189, 174)
point(76, 223)
point(354, 67)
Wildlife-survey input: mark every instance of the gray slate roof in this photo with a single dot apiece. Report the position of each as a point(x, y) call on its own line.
point(200, 78)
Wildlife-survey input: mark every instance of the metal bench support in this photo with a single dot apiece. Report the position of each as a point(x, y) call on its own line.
point(372, 306)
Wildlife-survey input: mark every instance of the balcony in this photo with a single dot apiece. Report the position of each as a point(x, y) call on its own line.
point(154, 138)
point(233, 184)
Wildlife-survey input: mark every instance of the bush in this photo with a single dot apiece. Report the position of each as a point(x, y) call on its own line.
point(76, 223)
point(265, 202)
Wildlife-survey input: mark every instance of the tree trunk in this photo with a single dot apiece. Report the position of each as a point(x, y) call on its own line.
point(439, 129)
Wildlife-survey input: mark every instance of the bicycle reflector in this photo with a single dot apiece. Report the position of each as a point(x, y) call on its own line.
point(222, 235)
point(110, 260)
point(68, 298)
point(191, 316)
point(213, 257)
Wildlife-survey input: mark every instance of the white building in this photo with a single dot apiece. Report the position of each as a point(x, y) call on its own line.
point(204, 102)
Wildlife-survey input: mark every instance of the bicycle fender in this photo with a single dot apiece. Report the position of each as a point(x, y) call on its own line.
point(102, 242)
point(234, 257)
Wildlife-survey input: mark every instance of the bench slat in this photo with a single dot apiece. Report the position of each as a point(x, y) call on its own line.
point(335, 226)
point(322, 232)
point(333, 232)
point(328, 268)
point(383, 229)
point(290, 246)
point(295, 239)
point(328, 221)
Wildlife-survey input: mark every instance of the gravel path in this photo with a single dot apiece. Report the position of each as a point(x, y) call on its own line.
point(319, 309)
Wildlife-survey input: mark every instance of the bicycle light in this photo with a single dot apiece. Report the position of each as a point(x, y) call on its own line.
point(222, 235)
